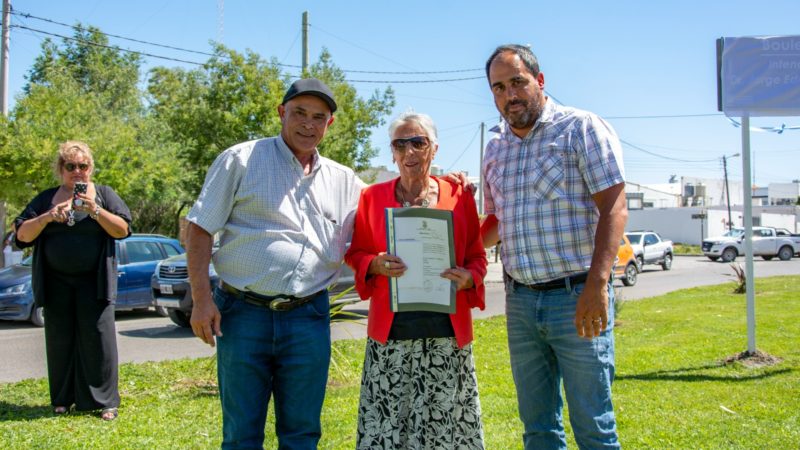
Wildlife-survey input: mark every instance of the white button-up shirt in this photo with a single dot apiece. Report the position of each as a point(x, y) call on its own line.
point(282, 232)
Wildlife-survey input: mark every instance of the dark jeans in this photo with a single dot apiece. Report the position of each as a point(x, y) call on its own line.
point(264, 353)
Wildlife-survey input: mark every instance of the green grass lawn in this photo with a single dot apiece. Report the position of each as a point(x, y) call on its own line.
point(686, 249)
point(673, 389)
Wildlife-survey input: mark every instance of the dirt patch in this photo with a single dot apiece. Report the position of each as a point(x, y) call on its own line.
point(753, 359)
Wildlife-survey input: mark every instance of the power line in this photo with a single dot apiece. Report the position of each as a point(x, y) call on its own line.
point(416, 73)
point(413, 81)
point(636, 147)
point(95, 44)
point(465, 150)
point(31, 16)
point(779, 129)
point(673, 116)
point(641, 186)
point(200, 64)
point(358, 46)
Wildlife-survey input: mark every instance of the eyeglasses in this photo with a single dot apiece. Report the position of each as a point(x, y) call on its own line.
point(418, 142)
point(72, 166)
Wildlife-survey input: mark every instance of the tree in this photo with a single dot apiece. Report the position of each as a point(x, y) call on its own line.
point(155, 147)
point(97, 68)
point(234, 98)
point(86, 90)
point(347, 141)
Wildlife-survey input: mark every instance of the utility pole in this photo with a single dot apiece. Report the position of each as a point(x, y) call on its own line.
point(305, 43)
point(220, 21)
point(727, 190)
point(480, 172)
point(4, 58)
point(4, 101)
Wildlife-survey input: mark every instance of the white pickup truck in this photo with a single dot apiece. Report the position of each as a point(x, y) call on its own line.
point(650, 248)
point(767, 243)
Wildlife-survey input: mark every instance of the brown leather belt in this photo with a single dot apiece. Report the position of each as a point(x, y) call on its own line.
point(273, 302)
point(559, 283)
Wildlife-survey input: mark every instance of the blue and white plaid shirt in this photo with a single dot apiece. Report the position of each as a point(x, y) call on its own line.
point(540, 188)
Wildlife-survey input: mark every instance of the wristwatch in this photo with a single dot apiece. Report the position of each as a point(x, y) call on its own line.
point(96, 212)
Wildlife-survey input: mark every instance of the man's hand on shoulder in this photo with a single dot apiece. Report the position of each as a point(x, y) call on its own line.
point(460, 179)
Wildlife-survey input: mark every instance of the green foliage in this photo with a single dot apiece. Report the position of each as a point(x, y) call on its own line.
point(97, 68)
point(232, 98)
point(235, 98)
point(741, 279)
point(675, 386)
point(347, 140)
point(154, 147)
point(82, 90)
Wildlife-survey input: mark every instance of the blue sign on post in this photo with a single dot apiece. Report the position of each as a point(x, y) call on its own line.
point(759, 76)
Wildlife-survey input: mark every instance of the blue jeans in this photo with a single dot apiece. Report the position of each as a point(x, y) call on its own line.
point(546, 349)
point(263, 353)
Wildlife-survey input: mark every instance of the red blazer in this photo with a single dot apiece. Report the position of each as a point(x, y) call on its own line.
point(369, 238)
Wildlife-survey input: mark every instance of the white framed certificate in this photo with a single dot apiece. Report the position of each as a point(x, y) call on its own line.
point(423, 239)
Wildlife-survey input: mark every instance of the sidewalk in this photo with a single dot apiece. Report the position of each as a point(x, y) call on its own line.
point(494, 272)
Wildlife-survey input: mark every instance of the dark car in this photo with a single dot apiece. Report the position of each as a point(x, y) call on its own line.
point(137, 257)
point(171, 290)
point(16, 295)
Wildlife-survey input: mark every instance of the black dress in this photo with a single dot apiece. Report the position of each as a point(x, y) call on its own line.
point(74, 279)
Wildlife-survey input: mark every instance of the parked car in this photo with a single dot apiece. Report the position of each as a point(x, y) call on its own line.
point(625, 267)
point(16, 295)
point(171, 290)
point(767, 243)
point(137, 257)
point(794, 237)
point(650, 248)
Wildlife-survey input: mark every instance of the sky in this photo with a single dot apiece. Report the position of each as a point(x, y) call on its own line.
point(648, 68)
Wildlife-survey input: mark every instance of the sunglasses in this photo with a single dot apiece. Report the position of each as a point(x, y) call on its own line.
point(418, 142)
point(72, 166)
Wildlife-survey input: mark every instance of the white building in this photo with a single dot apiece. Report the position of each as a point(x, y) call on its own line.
point(696, 208)
point(640, 196)
point(783, 193)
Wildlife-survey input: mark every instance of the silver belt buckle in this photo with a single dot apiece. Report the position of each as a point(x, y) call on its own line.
point(279, 304)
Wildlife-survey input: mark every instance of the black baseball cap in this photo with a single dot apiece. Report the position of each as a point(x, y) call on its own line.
point(311, 86)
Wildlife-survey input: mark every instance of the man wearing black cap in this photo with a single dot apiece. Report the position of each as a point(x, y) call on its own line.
point(283, 213)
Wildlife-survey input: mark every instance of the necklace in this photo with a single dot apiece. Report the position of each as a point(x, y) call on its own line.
point(407, 204)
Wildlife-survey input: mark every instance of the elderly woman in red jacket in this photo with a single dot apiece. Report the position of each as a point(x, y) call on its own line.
point(418, 388)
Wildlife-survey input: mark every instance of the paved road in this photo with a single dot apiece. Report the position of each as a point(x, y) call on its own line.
point(146, 337)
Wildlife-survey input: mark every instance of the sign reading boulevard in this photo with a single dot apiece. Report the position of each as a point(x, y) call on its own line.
point(758, 76)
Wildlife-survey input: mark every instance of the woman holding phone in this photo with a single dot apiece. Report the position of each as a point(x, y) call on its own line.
point(72, 228)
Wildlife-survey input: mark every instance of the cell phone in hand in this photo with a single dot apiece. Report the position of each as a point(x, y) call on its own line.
point(79, 188)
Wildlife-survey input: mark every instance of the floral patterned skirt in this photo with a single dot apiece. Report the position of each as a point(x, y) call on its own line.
point(419, 394)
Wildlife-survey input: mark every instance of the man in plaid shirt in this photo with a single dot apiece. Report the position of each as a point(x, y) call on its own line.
point(555, 196)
